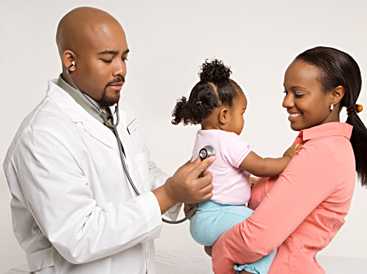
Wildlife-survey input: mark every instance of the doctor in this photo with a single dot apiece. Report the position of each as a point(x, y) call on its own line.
point(73, 205)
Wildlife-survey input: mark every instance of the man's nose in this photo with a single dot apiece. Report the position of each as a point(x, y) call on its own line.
point(120, 68)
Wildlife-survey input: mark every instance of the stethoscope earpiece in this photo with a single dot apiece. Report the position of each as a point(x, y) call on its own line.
point(72, 67)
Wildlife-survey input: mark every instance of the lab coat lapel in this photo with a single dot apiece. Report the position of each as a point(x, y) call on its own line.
point(80, 116)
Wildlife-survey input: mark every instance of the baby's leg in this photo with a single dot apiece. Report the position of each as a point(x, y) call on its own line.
point(212, 220)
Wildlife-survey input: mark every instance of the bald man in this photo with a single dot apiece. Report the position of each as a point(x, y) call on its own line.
point(85, 197)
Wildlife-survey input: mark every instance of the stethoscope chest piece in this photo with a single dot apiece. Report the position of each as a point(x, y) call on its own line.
point(206, 152)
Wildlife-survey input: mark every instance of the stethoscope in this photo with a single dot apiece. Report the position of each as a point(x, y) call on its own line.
point(204, 152)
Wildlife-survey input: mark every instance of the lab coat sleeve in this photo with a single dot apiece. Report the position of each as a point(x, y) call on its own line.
point(59, 197)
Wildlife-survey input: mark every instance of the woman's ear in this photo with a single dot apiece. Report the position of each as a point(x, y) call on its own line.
point(337, 95)
point(224, 116)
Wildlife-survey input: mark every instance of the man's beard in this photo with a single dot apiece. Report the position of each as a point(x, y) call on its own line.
point(110, 101)
point(107, 101)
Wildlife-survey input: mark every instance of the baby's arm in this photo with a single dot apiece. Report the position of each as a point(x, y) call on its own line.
point(268, 167)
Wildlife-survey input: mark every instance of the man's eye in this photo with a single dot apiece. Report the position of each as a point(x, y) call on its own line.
point(124, 59)
point(107, 60)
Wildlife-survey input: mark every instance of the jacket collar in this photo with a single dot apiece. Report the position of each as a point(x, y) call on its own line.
point(327, 129)
point(79, 115)
point(83, 100)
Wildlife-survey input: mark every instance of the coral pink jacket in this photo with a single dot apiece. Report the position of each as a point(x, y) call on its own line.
point(300, 211)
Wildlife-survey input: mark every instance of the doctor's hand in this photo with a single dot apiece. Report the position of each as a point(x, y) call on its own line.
point(191, 184)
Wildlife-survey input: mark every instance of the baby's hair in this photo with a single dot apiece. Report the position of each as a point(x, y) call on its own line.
point(215, 72)
point(214, 89)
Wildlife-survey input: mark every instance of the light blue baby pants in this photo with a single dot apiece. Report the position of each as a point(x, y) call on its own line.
point(212, 219)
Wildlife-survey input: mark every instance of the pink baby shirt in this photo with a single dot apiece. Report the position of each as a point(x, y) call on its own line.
point(231, 186)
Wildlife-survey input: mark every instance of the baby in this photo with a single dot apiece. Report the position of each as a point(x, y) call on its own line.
point(218, 103)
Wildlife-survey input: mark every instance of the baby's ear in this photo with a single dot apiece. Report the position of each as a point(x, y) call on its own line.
point(224, 115)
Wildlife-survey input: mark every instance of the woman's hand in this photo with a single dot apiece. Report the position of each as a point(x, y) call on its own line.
point(208, 250)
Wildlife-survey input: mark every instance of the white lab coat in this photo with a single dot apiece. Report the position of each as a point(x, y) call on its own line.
point(73, 210)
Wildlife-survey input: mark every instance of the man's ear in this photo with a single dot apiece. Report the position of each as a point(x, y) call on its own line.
point(69, 60)
point(224, 116)
point(337, 95)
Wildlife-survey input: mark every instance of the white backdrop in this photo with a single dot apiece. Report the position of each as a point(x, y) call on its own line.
point(168, 41)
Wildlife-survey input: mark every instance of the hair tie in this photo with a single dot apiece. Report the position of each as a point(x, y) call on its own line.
point(354, 109)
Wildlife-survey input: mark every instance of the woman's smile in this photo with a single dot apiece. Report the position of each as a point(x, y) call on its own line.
point(293, 116)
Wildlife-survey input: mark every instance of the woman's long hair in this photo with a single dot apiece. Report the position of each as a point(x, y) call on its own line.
point(340, 69)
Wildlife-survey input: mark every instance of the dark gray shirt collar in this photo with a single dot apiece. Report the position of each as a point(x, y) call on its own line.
point(85, 101)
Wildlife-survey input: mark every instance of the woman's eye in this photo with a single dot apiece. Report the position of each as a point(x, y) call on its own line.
point(298, 94)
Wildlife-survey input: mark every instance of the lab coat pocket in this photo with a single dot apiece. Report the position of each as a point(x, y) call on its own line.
point(42, 261)
point(132, 126)
point(135, 135)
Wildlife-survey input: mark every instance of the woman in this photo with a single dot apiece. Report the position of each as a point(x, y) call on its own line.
point(301, 210)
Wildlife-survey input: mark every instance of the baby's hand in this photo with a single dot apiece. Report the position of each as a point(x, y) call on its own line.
point(292, 150)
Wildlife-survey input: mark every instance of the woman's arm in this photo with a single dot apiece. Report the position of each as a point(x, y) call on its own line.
point(296, 193)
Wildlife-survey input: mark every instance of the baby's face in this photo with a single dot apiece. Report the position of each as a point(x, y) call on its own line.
point(237, 110)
